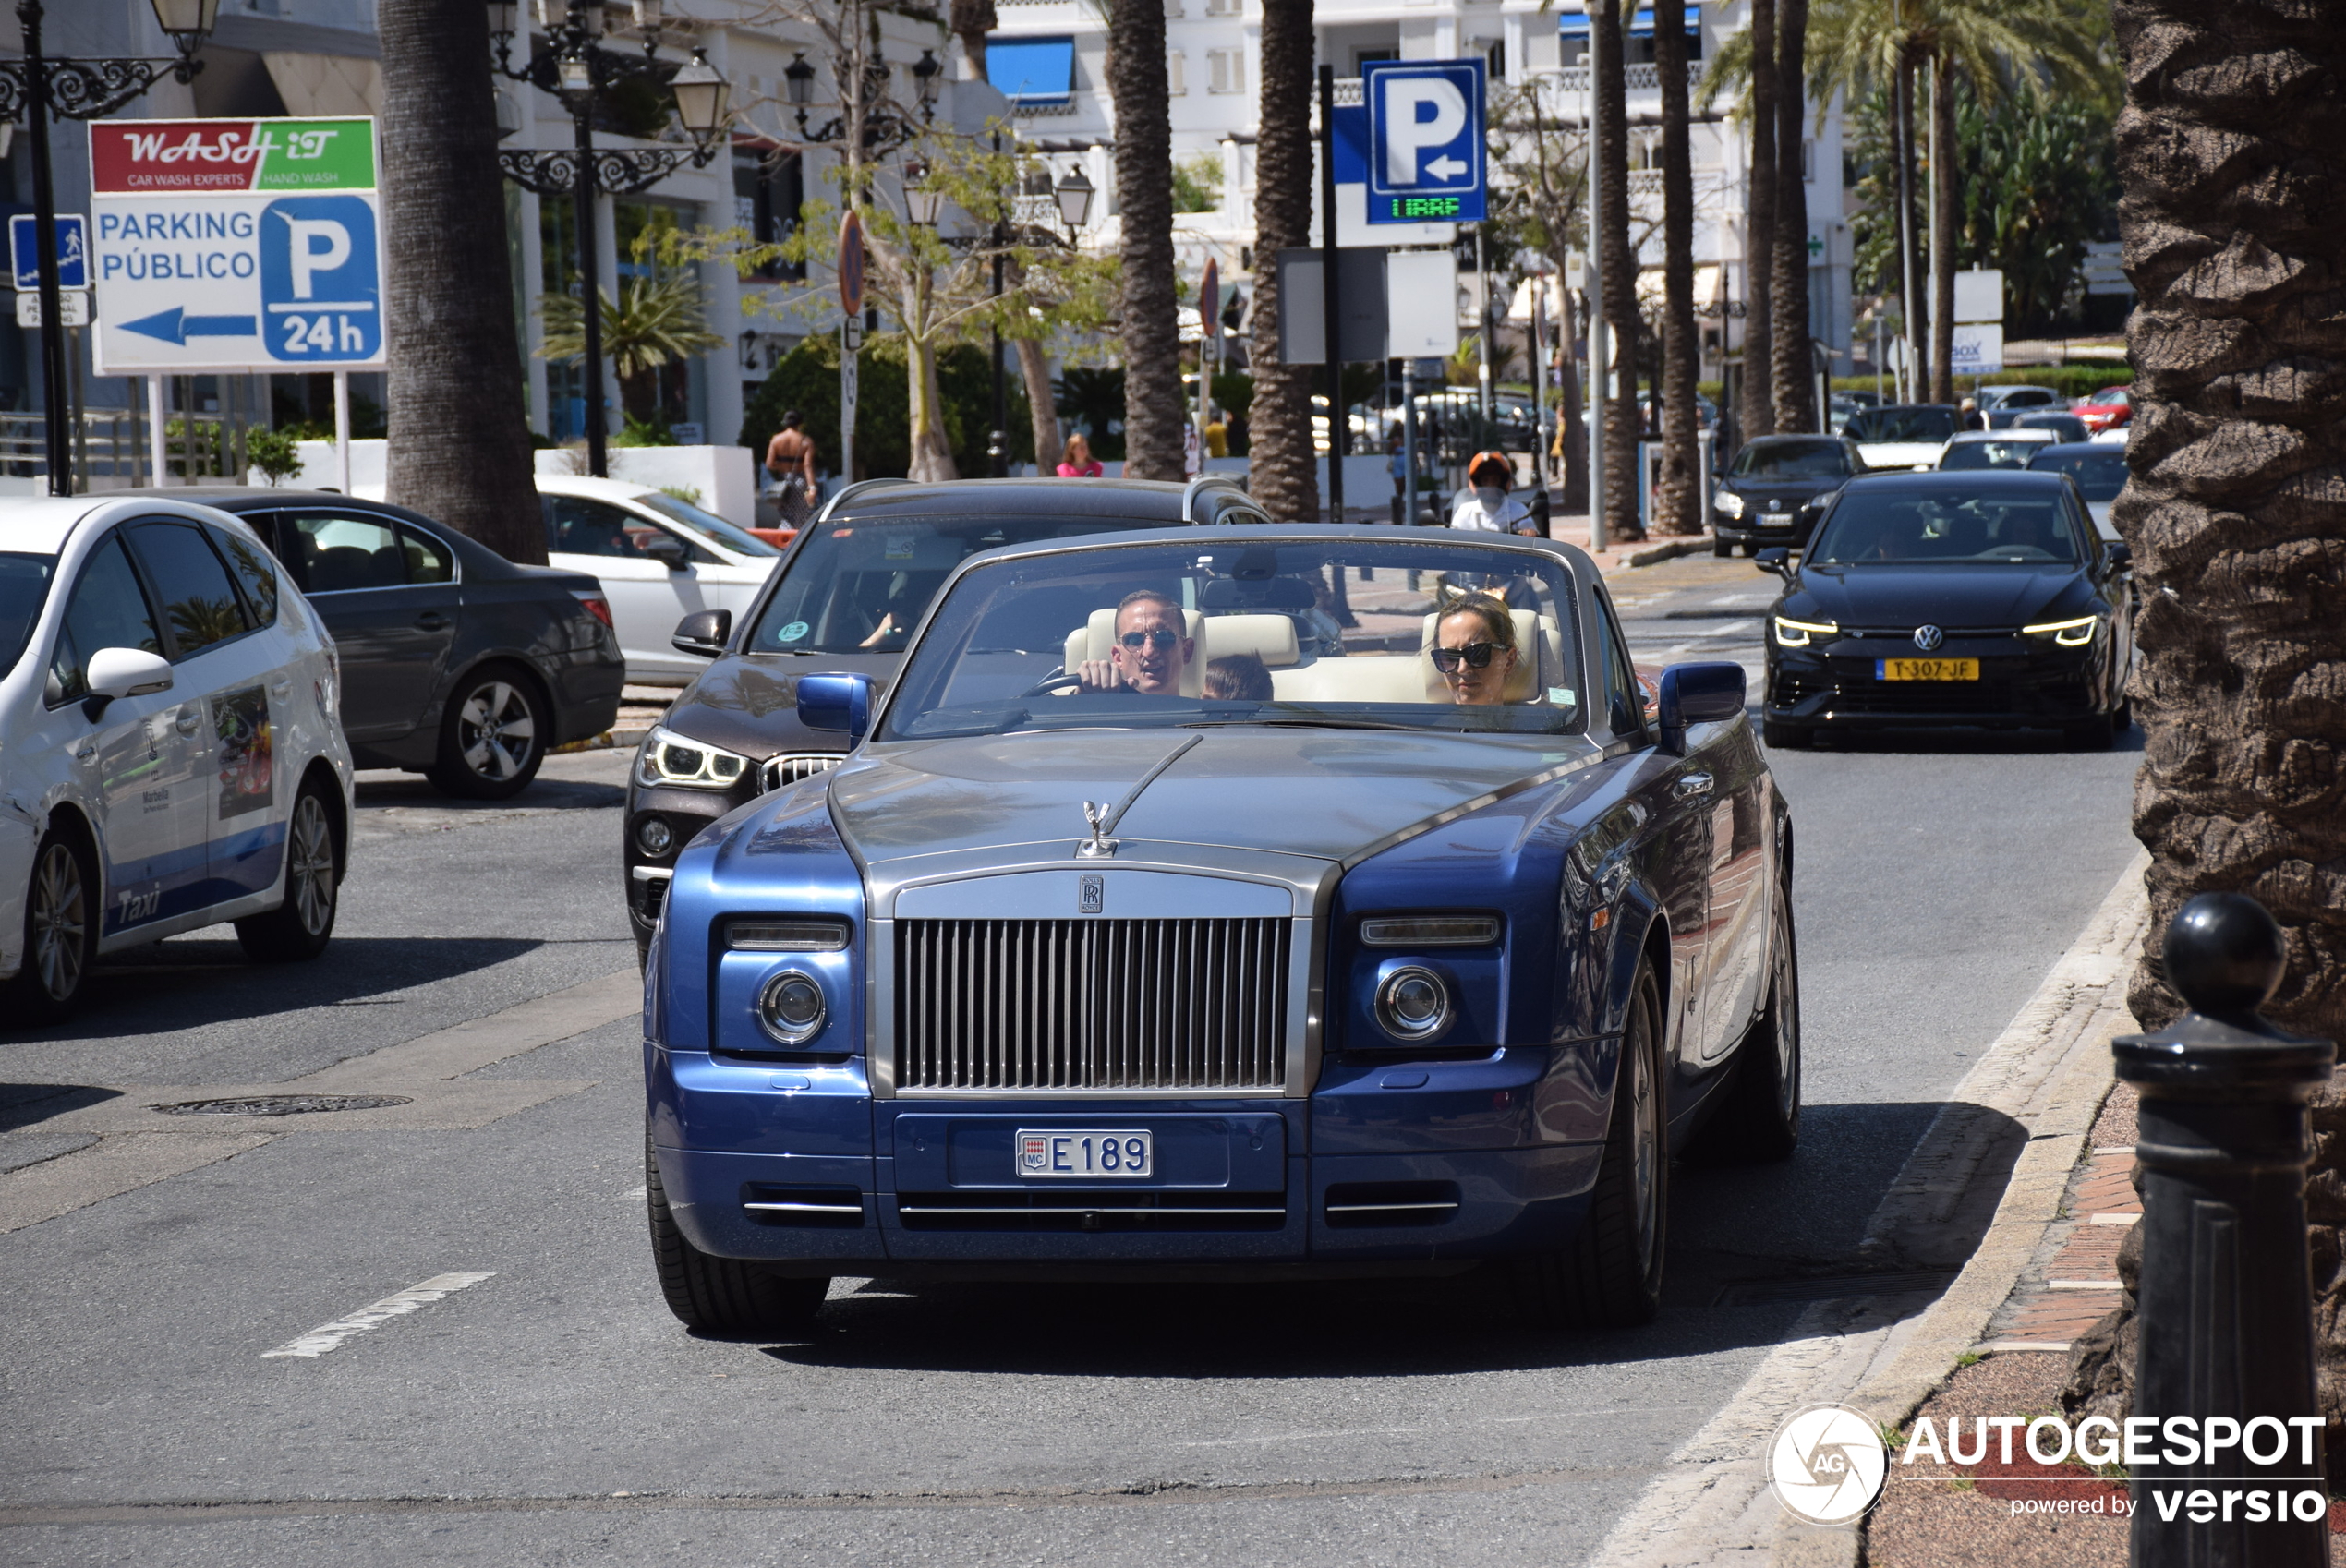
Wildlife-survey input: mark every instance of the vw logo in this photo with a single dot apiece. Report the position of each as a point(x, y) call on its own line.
point(1928, 638)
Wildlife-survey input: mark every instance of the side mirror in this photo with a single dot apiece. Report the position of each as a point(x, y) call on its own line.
point(127, 673)
point(669, 552)
point(1775, 559)
point(704, 634)
point(843, 703)
point(2121, 553)
point(1697, 693)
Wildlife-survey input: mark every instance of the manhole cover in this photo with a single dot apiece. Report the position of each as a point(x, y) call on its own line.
point(282, 1104)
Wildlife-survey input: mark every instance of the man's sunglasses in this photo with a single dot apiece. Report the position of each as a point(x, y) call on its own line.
point(1474, 655)
point(1160, 639)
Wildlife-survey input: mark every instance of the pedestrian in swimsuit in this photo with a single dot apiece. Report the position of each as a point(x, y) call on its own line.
point(790, 458)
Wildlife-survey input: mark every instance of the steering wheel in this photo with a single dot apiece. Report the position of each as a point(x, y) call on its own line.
point(1054, 681)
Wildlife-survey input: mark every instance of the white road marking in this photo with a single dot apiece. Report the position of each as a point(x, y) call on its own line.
point(331, 1336)
point(1734, 628)
point(635, 1194)
point(1741, 602)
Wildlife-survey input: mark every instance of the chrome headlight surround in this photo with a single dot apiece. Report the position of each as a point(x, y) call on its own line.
point(792, 1008)
point(2077, 632)
point(1797, 634)
point(679, 761)
point(1414, 1005)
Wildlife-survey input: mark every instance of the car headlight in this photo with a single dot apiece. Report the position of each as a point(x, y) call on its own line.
point(1413, 1004)
point(670, 758)
point(2072, 634)
point(1729, 504)
point(791, 1008)
point(1796, 633)
point(1430, 931)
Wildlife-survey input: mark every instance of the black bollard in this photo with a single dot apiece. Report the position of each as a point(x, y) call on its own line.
point(2225, 1303)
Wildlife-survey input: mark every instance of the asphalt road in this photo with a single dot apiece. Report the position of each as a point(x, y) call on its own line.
point(553, 1412)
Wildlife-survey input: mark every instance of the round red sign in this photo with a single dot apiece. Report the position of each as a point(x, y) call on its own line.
point(850, 264)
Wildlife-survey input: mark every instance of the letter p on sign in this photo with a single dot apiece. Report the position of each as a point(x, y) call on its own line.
point(319, 245)
point(1410, 130)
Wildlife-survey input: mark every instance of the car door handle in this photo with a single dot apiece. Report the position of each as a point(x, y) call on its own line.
point(281, 689)
point(191, 719)
point(432, 621)
point(85, 752)
point(1690, 784)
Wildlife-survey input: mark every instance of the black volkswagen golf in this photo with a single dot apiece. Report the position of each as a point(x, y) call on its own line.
point(1975, 598)
point(846, 597)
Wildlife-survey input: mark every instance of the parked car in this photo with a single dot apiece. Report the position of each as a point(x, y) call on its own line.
point(659, 558)
point(1432, 957)
point(1979, 599)
point(846, 597)
point(169, 742)
point(1774, 490)
point(2107, 409)
point(456, 663)
point(1903, 434)
point(2001, 403)
point(1993, 448)
point(2098, 471)
point(2065, 426)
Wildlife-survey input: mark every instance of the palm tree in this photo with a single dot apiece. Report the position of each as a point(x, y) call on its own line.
point(1282, 470)
point(1154, 415)
point(1759, 401)
point(1678, 496)
point(1543, 181)
point(654, 323)
point(1794, 385)
point(1608, 77)
point(459, 448)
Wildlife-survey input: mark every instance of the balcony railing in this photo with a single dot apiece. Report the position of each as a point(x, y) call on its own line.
point(1572, 81)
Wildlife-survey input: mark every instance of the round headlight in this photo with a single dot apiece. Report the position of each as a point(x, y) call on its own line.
point(791, 1009)
point(653, 835)
point(1413, 1004)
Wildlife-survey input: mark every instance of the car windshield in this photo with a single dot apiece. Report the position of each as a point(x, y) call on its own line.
point(707, 524)
point(24, 587)
point(1792, 460)
point(1445, 636)
point(1910, 423)
point(1946, 527)
point(861, 586)
point(2100, 472)
point(1989, 455)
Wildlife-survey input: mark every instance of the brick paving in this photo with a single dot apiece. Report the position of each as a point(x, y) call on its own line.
point(2073, 1284)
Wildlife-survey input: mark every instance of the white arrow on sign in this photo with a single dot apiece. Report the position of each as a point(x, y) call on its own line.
point(1406, 136)
point(1448, 168)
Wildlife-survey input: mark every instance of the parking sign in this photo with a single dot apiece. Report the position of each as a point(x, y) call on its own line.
point(1425, 140)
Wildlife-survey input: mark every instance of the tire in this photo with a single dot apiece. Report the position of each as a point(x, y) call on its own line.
point(1723, 546)
point(492, 736)
point(1610, 1275)
point(301, 927)
point(60, 931)
point(1749, 548)
point(1759, 1122)
point(722, 1296)
point(2090, 735)
point(2121, 718)
point(1785, 737)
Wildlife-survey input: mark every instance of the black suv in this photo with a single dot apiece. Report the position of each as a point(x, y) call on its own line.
point(1777, 487)
point(846, 597)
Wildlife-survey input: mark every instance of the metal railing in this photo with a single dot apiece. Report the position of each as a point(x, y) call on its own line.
point(112, 449)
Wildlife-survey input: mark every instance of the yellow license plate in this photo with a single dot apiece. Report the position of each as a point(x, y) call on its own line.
point(1926, 668)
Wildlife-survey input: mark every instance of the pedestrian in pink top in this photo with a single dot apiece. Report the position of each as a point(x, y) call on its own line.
point(1078, 463)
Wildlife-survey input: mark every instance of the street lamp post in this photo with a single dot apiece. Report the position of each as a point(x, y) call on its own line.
point(574, 69)
point(33, 89)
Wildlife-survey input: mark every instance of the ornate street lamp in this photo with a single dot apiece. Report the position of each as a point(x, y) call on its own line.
point(31, 90)
point(883, 129)
point(922, 201)
point(1074, 193)
point(573, 66)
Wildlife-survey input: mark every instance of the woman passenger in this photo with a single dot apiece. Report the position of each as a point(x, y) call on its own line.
point(1474, 649)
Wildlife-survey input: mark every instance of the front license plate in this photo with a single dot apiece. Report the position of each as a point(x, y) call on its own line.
point(1086, 1153)
point(1926, 668)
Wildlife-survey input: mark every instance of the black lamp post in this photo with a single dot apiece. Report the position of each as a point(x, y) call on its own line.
point(883, 128)
point(573, 66)
point(33, 89)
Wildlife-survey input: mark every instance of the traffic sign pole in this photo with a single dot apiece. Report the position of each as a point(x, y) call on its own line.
point(850, 267)
point(45, 208)
point(1328, 290)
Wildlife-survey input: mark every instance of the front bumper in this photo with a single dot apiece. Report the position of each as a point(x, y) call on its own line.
point(1790, 530)
point(1389, 1166)
point(2020, 686)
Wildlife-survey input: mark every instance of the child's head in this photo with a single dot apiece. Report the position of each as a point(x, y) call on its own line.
point(1238, 678)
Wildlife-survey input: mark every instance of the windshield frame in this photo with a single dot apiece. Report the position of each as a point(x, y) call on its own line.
point(2068, 457)
point(1276, 712)
point(2083, 539)
point(9, 657)
point(1954, 419)
point(1818, 445)
point(705, 525)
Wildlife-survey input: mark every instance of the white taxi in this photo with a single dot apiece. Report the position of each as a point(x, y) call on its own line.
point(170, 752)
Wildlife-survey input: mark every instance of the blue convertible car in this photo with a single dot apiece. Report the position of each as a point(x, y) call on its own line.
point(1163, 924)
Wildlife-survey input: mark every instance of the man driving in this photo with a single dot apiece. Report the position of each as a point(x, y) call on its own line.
point(1152, 648)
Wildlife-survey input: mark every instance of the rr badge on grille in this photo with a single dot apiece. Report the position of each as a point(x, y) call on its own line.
point(1092, 898)
point(1033, 1152)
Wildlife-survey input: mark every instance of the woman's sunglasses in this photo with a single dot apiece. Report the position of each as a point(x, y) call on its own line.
point(1474, 655)
point(1160, 639)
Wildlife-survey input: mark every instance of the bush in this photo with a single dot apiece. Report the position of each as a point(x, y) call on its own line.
point(807, 380)
point(271, 454)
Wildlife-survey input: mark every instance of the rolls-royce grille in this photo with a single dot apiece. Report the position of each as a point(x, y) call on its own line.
point(774, 772)
point(1091, 1004)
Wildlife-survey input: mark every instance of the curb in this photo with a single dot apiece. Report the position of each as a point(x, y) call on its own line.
point(609, 739)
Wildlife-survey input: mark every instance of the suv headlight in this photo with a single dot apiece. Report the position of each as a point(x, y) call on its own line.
point(1729, 504)
point(1796, 633)
point(2075, 632)
point(670, 758)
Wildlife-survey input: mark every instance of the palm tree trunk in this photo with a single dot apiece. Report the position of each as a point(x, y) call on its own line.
point(1757, 409)
point(1942, 233)
point(970, 21)
point(1620, 263)
point(1902, 152)
point(1678, 496)
point(1794, 378)
point(2232, 187)
point(459, 448)
point(1034, 369)
point(1153, 417)
point(1282, 466)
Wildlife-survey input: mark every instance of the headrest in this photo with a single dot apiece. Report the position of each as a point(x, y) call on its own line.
point(1539, 653)
point(1270, 638)
point(1096, 636)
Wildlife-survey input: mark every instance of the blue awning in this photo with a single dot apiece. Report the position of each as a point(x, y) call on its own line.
point(1575, 24)
point(1031, 70)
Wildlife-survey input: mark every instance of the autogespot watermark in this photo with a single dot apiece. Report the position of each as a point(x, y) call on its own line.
point(1829, 1464)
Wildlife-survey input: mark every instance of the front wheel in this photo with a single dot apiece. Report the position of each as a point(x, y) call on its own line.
point(1723, 546)
point(60, 931)
point(493, 736)
point(301, 927)
point(1610, 1276)
point(722, 1296)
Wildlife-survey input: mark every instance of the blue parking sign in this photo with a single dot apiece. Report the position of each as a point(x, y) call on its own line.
point(320, 291)
point(1425, 140)
point(73, 250)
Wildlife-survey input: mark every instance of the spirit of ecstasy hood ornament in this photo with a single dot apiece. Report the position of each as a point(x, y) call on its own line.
point(1103, 821)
